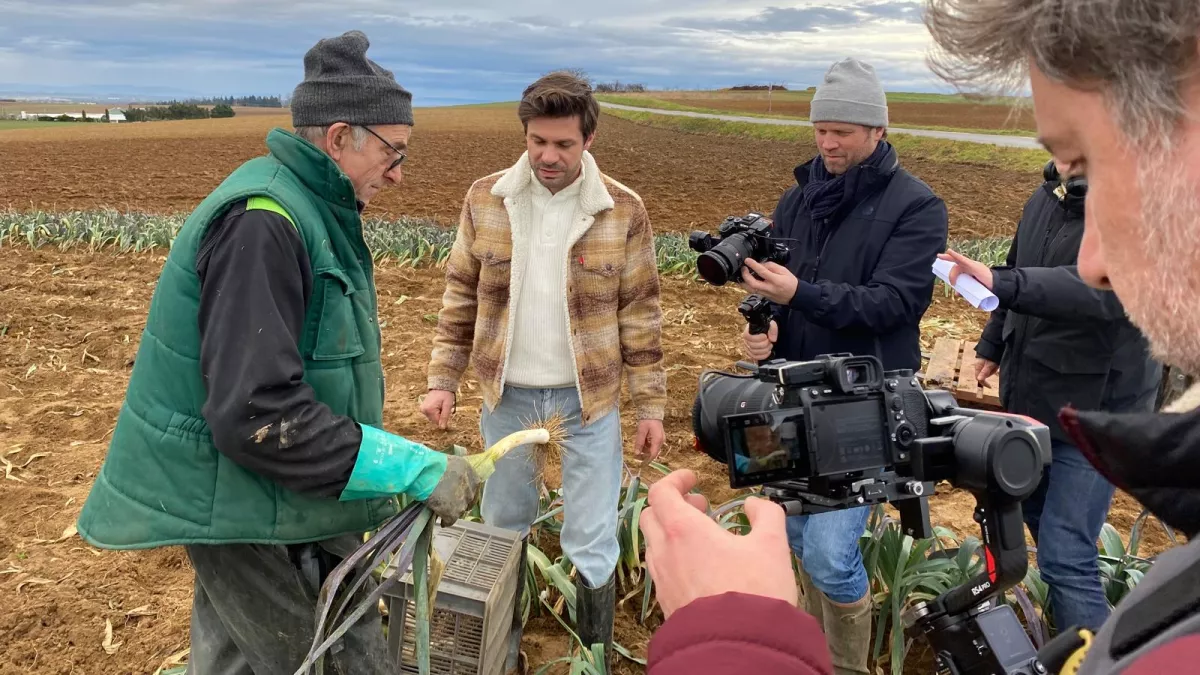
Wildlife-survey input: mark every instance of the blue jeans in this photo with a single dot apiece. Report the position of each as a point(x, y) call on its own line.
point(591, 476)
point(1066, 514)
point(827, 546)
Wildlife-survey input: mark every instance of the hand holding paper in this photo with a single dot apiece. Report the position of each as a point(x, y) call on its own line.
point(964, 280)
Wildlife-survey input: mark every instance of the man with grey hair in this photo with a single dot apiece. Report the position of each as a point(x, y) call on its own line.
point(1116, 92)
point(251, 432)
point(1116, 95)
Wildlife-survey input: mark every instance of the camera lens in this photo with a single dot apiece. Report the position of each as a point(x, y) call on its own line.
point(720, 395)
point(713, 268)
point(724, 261)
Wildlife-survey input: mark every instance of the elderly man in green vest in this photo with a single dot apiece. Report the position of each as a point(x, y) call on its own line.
point(251, 430)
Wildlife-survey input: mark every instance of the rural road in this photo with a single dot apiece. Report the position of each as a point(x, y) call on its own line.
point(1024, 142)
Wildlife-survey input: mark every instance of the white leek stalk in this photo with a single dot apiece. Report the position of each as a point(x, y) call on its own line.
point(485, 462)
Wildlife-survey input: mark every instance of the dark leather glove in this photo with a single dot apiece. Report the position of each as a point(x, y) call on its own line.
point(455, 493)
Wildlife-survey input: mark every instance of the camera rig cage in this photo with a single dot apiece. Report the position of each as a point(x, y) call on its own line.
point(838, 432)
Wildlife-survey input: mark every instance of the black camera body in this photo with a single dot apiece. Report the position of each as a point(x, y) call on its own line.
point(834, 419)
point(839, 432)
point(738, 238)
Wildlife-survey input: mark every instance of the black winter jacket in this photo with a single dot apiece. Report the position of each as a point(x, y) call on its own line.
point(865, 273)
point(1059, 341)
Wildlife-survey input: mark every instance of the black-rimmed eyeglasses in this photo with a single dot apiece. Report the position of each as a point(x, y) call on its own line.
point(399, 160)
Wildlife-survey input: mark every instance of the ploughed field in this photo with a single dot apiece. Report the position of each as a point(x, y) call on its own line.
point(70, 323)
point(687, 181)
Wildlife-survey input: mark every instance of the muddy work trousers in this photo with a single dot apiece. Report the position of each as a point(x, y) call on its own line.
point(254, 608)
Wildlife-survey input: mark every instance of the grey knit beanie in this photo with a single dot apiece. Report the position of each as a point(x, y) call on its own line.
point(851, 94)
point(342, 85)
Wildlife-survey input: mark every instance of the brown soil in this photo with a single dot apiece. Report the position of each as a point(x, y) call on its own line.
point(950, 115)
point(69, 327)
point(687, 181)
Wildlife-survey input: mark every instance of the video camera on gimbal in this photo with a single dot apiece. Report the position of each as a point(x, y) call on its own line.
point(838, 432)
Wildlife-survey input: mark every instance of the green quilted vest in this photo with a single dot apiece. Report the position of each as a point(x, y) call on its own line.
point(163, 481)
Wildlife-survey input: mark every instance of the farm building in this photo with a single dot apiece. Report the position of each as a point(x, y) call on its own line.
point(113, 115)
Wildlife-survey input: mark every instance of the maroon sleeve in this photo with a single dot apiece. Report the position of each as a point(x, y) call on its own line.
point(739, 633)
point(1179, 655)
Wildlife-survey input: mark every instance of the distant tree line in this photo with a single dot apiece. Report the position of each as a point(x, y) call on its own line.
point(758, 87)
point(177, 111)
point(246, 101)
point(618, 86)
point(602, 87)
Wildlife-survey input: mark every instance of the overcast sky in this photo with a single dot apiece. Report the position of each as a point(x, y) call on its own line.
point(462, 51)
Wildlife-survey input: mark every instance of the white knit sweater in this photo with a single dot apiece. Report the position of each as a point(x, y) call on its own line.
point(541, 349)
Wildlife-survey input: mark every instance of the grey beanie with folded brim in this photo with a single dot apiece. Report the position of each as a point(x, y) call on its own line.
point(851, 94)
point(342, 85)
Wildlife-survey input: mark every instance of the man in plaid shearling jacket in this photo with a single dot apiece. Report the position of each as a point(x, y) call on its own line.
point(552, 293)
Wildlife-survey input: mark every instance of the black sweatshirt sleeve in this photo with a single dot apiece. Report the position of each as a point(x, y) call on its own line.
point(255, 282)
point(1055, 293)
point(991, 342)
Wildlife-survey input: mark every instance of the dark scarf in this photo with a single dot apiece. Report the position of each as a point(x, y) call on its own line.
point(824, 192)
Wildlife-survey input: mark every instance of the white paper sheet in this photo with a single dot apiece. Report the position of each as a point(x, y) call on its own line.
point(968, 286)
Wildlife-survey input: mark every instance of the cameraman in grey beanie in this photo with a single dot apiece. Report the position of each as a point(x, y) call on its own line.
point(850, 94)
point(863, 234)
point(252, 430)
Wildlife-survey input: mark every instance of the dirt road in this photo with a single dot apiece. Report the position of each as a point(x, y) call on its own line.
point(968, 137)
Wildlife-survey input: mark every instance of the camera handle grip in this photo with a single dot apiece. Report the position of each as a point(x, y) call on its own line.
point(1005, 557)
point(757, 311)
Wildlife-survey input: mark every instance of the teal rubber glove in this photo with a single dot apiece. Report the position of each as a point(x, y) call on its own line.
point(455, 492)
point(390, 465)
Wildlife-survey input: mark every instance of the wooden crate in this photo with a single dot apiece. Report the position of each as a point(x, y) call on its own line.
point(952, 367)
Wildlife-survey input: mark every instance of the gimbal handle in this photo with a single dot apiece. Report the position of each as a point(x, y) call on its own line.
point(1005, 557)
point(999, 459)
point(757, 311)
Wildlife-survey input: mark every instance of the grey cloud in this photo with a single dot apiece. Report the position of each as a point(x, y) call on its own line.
point(461, 49)
point(37, 41)
point(810, 19)
point(909, 12)
point(283, 11)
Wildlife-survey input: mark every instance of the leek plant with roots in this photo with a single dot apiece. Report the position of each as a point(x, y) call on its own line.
point(407, 537)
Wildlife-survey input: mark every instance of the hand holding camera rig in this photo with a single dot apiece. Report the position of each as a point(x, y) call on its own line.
point(723, 256)
point(853, 435)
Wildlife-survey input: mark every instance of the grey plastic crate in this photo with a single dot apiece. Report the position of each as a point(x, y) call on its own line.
point(473, 610)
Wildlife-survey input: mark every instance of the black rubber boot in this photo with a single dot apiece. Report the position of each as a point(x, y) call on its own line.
point(514, 663)
point(594, 609)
